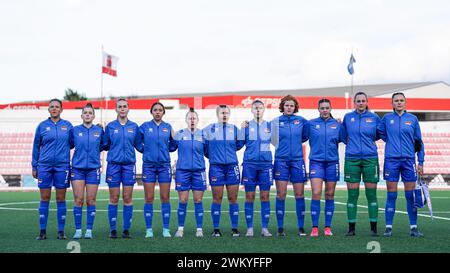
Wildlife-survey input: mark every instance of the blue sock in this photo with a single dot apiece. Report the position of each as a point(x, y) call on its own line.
point(412, 211)
point(329, 211)
point(112, 216)
point(127, 216)
point(78, 216)
point(181, 214)
point(234, 215)
point(43, 214)
point(265, 213)
point(279, 208)
point(300, 209)
point(148, 214)
point(315, 212)
point(198, 207)
point(390, 208)
point(61, 212)
point(215, 214)
point(91, 210)
point(249, 214)
point(165, 211)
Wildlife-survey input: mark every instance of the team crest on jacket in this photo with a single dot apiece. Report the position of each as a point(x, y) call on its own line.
point(150, 130)
point(334, 126)
point(352, 120)
point(47, 128)
point(296, 122)
point(408, 123)
point(281, 123)
point(116, 131)
point(165, 130)
point(96, 134)
point(392, 121)
point(267, 130)
point(252, 129)
point(64, 128)
point(130, 130)
point(369, 120)
point(317, 126)
point(80, 134)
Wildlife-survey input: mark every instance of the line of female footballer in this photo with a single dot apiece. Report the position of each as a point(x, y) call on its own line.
point(218, 142)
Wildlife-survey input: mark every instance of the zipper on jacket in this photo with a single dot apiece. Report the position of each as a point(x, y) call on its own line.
point(325, 144)
point(192, 149)
point(87, 157)
point(360, 137)
point(290, 138)
point(400, 133)
point(56, 143)
point(123, 142)
point(258, 139)
point(225, 141)
point(157, 143)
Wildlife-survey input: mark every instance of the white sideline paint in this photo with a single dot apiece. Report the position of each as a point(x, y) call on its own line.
point(380, 209)
point(224, 211)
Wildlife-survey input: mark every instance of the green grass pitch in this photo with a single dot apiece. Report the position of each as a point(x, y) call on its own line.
point(19, 227)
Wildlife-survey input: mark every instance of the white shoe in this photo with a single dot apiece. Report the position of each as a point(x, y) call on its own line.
point(265, 233)
point(88, 234)
point(199, 233)
point(77, 235)
point(149, 233)
point(249, 232)
point(166, 233)
point(179, 233)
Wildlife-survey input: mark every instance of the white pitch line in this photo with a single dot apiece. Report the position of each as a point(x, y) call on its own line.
point(381, 209)
point(207, 197)
point(205, 211)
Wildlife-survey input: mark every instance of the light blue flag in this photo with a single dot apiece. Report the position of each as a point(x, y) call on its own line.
point(350, 65)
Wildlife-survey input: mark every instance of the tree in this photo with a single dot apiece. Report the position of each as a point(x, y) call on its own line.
point(73, 95)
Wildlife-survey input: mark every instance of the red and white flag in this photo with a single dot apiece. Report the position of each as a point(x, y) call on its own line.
point(109, 65)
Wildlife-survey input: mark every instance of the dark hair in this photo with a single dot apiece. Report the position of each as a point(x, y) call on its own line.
point(365, 95)
point(57, 100)
point(222, 106)
point(158, 103)
point(88, 105)
point(395, 94)
point(398, 93)
point(287, 98)
point(191, 110)
point(322, 101)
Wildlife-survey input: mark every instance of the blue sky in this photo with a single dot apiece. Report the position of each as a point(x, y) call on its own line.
point(182, 46)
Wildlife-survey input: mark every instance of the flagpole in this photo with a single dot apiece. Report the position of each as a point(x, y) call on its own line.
point(352, 94)
point(101, 114)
